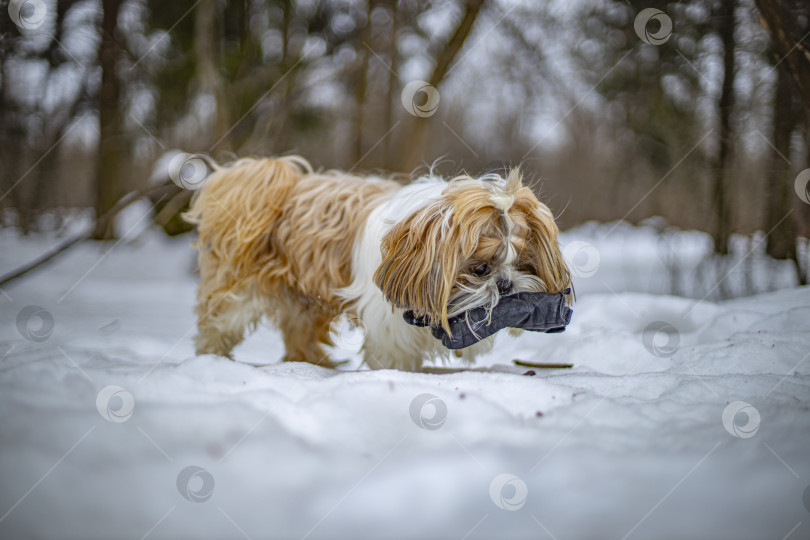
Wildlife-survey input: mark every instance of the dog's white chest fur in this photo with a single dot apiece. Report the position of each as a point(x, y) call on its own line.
point(390, 341)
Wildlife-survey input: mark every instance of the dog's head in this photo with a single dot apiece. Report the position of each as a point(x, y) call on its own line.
point(483, 238)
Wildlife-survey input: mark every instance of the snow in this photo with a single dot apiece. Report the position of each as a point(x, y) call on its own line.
point(626, 444)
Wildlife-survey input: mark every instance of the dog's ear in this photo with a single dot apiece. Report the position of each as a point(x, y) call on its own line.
point(419, 264)
point(542, 251)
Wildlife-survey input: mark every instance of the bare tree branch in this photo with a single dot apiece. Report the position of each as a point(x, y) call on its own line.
point(416, 140)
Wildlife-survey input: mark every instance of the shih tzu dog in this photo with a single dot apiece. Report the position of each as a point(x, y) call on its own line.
point(301, 248)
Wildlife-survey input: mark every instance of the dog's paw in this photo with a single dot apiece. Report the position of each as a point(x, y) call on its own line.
point(515, 332)
point(323, 362)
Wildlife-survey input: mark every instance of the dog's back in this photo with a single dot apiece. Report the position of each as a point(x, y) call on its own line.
point(239, 205)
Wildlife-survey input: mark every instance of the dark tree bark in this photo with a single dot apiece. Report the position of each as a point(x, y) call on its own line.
point(780, 195)
point(280, 141)
point(29, 155)
point(207, 51)
point(722, 204)
point(392, 85)
point(790, 42)
point(108, 185)
point(361, 87)
point(791, 53)
point(12, 134)
point(803, 212)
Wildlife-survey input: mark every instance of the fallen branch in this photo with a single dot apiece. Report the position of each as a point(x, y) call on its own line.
point(541, 365)
point(126, 200)
point(173, 207)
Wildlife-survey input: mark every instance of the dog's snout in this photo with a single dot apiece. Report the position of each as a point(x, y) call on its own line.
point(504, 286)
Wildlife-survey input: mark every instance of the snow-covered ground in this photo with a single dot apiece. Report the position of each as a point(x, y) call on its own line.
point(681, 418)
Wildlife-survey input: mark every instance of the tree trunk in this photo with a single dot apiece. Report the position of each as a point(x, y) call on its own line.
point(415, 143)
point(361, 87)
point(281, 140)
point(393, 85)
point(722, 204)
point(790, 43)
point(12, 135)
point(207, 52)
point(803, 212)
point(108, 185)
point(782, 239)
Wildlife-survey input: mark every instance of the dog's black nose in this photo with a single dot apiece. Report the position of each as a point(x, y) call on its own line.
point(504, 286)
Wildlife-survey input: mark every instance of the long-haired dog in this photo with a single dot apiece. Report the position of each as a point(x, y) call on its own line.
point(302, 248)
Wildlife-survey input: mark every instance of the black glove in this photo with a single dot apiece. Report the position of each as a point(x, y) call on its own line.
point(537, 312)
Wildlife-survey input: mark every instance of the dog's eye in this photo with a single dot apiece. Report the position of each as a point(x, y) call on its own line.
point(481, 270)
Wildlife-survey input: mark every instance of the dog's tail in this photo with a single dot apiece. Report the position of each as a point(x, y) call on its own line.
point(240, 203)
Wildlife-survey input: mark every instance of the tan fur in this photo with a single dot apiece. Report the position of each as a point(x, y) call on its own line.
point(426, 255)
point(541, 253)
point(276, 239)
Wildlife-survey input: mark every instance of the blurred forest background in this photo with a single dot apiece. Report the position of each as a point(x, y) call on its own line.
point(705, 124)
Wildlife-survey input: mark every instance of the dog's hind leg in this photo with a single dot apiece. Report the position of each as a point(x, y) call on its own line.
point(224, 310)
point(305, 327)
point(223, 318)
